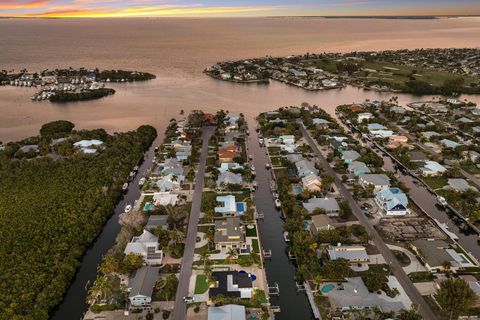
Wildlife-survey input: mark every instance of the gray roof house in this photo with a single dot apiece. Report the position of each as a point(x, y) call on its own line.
point(227, 312)
point(229, 234)
point(378, 180)
point(228, 177)
point(460, 185)
point(329, 205)
point(348, 156)
point(358, 168)
point(140, 286)
point(157, 220)
point(305, 167)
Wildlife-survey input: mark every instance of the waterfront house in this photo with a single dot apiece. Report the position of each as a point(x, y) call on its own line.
point(165, 199)
point(375, 126)
point(348, 156)
point(305, 167)
point(377, 180)
point(227, 177)
point(431, 168)
point(229, 234)
point(353, 254)
point(392, 201)
point(364, 116)
point(170, 182)
point(311, 182)
point(88, 146)
point(140, 286)
point(417, 156)
point(434, 254)
point(146, 245)
point(337, 145)
point(358, 168)
point(227, 312)
point(30, 148)
point(398, 110)
point(231, 284)
point(460, 185)
point(382, 134)
point(472, 155)
point(228, 205)
point(396, 141)
point(321, 222)
point(157, 220)
point(465, 120)
point(319, 122)
point(278, 121)
point(226, 166)
point(171, 166)
point(328, 205)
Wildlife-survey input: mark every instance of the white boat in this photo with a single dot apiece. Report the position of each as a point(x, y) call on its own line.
point(142, 181)
point(444, 228)
point(128, 208)
point(442, 200)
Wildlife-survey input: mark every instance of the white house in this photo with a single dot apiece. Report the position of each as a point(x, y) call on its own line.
point(377, 180)
point(311, 182)
point(392, 201)
point(364, 116)
point(146, 245)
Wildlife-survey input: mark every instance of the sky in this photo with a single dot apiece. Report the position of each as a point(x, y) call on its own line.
point(241, 8)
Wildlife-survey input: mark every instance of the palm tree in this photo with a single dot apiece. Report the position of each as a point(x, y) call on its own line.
point(232, 254)
point(318, 281)
point(204, 256)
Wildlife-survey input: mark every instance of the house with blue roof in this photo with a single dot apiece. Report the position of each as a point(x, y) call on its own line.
point(348, 156)
point(358, 168)
point(382, 133)
point(450, 144)
point(392, 201)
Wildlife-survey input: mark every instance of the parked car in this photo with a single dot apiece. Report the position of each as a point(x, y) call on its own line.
point(128, 208)
point(278, 204)
point(189, 299)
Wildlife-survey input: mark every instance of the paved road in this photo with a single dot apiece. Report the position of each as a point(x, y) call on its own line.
point(179, 311)
point(402, 277)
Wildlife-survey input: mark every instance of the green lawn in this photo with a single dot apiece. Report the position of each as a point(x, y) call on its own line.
point(421, 276)
point(251, 232)
point(201, 285)
point(260, 296)
point(402, 258)
point(435, 182)
point(256, 246)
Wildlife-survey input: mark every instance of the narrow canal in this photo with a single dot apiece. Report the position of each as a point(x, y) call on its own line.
point(73, 305)
point(279, 269)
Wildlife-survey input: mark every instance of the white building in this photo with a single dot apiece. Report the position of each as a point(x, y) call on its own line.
point(146, 245)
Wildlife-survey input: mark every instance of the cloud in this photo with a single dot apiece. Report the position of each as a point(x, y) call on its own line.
point(15, 4)
point(67, 11)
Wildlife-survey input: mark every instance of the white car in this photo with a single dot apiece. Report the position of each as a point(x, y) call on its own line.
point(142, 181)
point(254, 185)
point(278, 204)
point(128, 208)
point(267, 165)
point(189, 299)
point(250, 157)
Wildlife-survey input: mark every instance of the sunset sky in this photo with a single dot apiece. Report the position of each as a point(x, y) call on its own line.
point(208, 8)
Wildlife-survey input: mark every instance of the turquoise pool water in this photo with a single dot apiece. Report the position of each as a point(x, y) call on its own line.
point(148, 206)
point(327, 288)
point(297, 190)
point(240, 206)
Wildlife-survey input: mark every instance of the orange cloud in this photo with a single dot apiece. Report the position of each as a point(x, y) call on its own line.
point(146, 11)
point(14, 4)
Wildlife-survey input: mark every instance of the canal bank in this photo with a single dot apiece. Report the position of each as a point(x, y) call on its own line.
point(293, 304)
point(73, 305)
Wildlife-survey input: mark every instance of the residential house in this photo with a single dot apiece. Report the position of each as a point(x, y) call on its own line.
point(146, 245)
point(231, 284)
point(465, 120)
point(432, 168)
point(229, 166)
point(353, 254)
point(398, 110)
point(165, 199)
point(338, 145)
point(381, 133)
point(434, 254)
point(364, 116)
point(29, 147)
point(472, 155)
point(392, 201)
point(171, 166)
point(321, 222)
point(229, 234)
point(312, 182)
point(140, 286)
point(170, 182)
point(460, 185)
point(377, 180)
point(319, 122)
point(396, 141)
point(375, 126)
point(348, 156)
point(305, 167)
point(157, 220)
point(449, 143)
point(228, 177)
point(227, 154)
point(227, 312)
point(358, 168)
point(278, 121)
point(429, 134)
point(417, 156)
point(329, 205)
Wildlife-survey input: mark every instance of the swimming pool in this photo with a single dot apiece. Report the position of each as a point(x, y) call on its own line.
point(297, 189)
point(241, 206)
point(148, 206)
point(327, 288)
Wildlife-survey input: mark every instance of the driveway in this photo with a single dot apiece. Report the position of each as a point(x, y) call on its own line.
point(414, 265)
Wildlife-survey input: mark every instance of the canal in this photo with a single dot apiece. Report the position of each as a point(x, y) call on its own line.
point(279, 269)
point(73, 305)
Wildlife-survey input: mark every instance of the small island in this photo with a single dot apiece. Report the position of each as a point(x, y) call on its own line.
point(424, 71)
point(68, 85)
